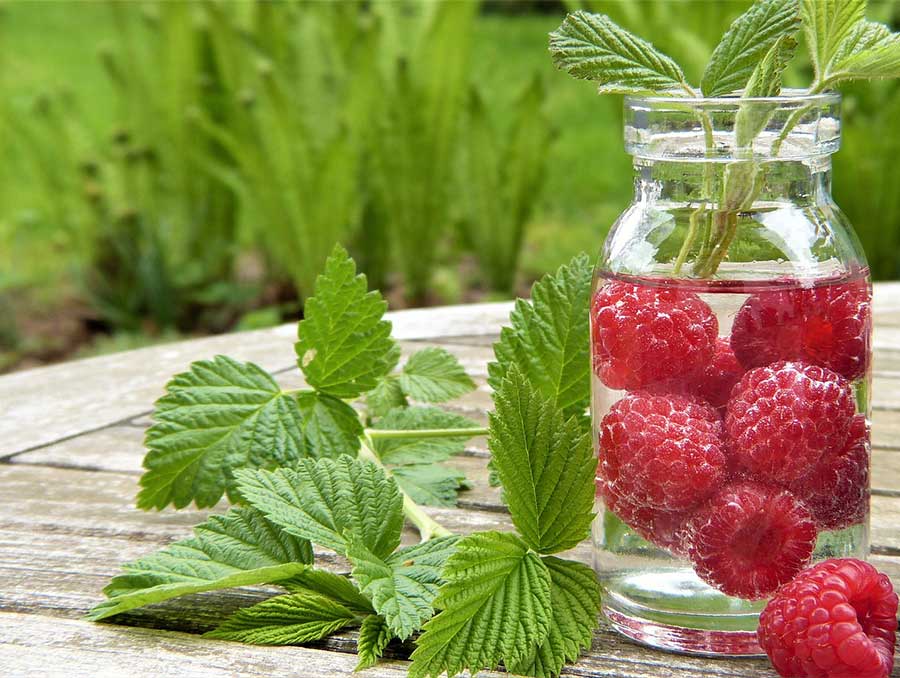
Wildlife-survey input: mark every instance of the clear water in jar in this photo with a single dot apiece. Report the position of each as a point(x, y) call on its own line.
point(653, 595)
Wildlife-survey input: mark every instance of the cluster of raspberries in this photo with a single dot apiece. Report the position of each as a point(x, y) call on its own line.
point(734, 452)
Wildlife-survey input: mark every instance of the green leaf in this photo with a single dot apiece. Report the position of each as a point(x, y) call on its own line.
point(494, 605)
point(326, 500)
point(219, 416)
point(827, 24)
point(575, 600)
point(403, 586)
point(385, 396)
point(240, 548)
point(871, 51)
point(374, 636)
point(752, 117)
point(548, 339)
point(419, 450)
point(746, 43)
point(335, 586)
point(593, 47)
point(331, 426)
point(434, 375)
point(291, 619)
point(430, 484)
point(546, 466)
point(345, 346)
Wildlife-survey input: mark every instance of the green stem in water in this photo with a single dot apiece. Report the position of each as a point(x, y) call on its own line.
point(400, 434)
point(428, 527)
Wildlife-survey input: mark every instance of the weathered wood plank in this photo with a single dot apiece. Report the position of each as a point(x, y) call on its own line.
point(48, 404)
point(886, 304)
point(32, 645)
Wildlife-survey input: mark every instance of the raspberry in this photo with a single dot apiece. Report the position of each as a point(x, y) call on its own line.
point(829, 326)
point(666, 452)
point(662, 528)
point(838, 619)
point(643, 335)
point(783, 418)
point(837, 491)
point(838, 326)
point(715, 382)
point(750, 538)
point(768, 328)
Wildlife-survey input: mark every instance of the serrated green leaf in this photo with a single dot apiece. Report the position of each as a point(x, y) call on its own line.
point(403, 586)
point(548, 339)
point(593, 47)
point(752, 117)
point(546, 466)
point(575, 600)
point(385, 396)
point(327, 500)
point(335, 586)
point(291, 619)
point(331, 426)
point(240, 548)
point(746, 43)
point(871, 51)
point(827, 24)
point(434, 375)
point(419, 450)
point(374, 636)
point(345, 346)
point(219, 416)
point(430, 484)
point(494, 605)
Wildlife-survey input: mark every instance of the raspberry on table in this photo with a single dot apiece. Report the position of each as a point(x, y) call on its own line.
point(641, 335)
point(836, 619)
point(829, 326)
point(750, 538)
point(837, 490)
point(662, 528)
point(662, 451)
point(838, 327)
point(783, 418)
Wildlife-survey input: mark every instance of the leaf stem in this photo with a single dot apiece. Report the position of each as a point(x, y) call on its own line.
point(400, 434)
point(428, 527)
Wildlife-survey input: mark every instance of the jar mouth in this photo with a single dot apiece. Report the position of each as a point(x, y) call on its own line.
point(794, 126)
point(789, 98)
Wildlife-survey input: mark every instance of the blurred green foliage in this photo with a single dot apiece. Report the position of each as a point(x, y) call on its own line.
point(176, 167)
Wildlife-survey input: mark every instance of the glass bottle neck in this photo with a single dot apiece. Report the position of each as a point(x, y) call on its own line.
point(735, 185)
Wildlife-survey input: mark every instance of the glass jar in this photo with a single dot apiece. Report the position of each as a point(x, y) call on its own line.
point(730, 335)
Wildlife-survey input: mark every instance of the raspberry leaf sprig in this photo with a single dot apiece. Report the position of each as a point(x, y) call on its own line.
point(748, 63)
point(308, 469)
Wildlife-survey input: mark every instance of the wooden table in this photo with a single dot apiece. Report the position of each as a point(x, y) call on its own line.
point(71, 450)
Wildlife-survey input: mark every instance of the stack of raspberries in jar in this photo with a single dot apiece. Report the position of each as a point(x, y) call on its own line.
point(734, 451)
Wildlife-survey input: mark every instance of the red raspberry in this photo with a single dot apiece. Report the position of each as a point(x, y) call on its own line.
point(838, 619)
point(750, 538)
point(768, 328)
point(643, 335)
point(838, 327)
point(828, 326)
point(667, 452)
point(715, 382)
point(662, 528)
point(783, 418)
point(837, 491)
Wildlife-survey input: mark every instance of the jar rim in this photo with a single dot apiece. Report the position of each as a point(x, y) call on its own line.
point(789, 96)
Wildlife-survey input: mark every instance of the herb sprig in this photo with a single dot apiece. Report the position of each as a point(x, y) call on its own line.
point(748, 62)
point(308, 469)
